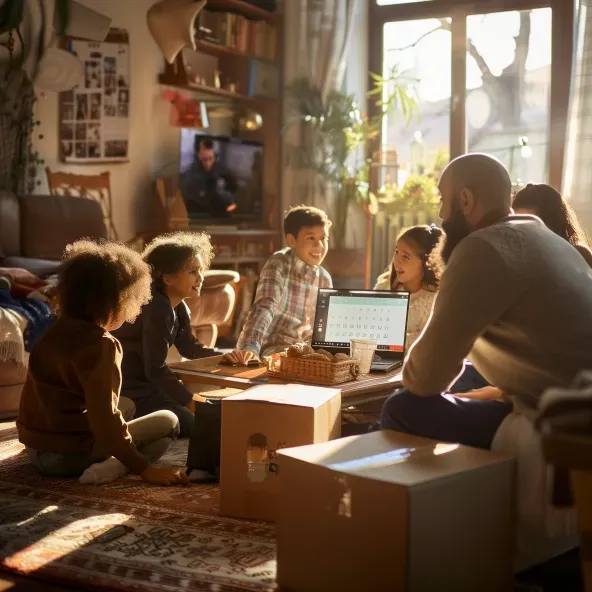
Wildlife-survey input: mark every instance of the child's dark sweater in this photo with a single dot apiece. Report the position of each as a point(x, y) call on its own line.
point(146, 343)
point(70, 398)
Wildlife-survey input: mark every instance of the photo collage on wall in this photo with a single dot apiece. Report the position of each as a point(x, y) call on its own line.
point(94, 118)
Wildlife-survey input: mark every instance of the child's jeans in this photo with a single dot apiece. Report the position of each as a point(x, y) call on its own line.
point(152, 435)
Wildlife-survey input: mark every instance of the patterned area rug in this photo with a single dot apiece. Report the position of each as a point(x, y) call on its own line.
point(127, 535)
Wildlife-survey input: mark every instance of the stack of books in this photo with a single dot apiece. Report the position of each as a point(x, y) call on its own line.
point(256, 38)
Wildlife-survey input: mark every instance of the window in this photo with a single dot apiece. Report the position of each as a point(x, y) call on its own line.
point(484, 80)
point(508, 90)
point(391, 2)
point(420, 52)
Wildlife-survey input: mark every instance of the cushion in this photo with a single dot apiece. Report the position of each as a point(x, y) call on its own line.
point(10, 397)
point(49, 223)
point(10, 235)
point(12, 373)
point(40, 267)
point(218, 278)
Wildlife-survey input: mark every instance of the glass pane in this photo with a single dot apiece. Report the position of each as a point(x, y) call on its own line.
point(390, 2)
point(420, 52)
point(508, 89)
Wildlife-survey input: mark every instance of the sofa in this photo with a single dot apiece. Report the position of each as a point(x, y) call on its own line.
point(34, 231)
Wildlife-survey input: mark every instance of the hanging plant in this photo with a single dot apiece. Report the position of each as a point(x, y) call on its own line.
point(19, 163)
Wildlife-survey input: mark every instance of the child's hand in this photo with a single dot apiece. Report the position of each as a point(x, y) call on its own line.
point(165, 475)
point(238, 356)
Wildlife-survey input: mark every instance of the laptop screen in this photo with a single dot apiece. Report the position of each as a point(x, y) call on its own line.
point(343, 315)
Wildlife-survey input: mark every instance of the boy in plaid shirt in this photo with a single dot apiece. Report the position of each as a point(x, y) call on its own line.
point(284, 307)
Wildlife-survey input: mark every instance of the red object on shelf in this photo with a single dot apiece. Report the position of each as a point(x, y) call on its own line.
point(186, 111)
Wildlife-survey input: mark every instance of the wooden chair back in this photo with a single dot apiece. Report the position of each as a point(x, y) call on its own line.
point(171, 204)
point(97, 187)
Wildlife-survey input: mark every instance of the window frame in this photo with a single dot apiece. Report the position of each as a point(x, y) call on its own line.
point(562, 27)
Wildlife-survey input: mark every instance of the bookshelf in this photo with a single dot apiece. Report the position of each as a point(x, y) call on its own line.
point(217, 49)
point(210, 90)
point(245, 9)
point(236, 61)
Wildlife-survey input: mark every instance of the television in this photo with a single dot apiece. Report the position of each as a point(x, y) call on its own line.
point(220, 178)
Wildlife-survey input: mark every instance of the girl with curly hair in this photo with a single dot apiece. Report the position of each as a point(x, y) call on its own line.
point(72, 420)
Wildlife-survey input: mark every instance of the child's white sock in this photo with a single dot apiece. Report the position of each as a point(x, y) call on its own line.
point(104, 472)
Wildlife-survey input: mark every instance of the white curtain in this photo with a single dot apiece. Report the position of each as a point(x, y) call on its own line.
point(577, 178)
point(317, 40)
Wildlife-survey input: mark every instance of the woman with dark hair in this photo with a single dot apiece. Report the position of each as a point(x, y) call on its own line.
point(547, 203)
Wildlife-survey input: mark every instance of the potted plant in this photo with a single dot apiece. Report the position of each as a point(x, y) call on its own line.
point(334, 133)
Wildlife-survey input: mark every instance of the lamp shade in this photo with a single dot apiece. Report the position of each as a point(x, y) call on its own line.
point(171, 24)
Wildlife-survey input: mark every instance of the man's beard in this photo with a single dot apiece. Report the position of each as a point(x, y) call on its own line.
point(455, 229)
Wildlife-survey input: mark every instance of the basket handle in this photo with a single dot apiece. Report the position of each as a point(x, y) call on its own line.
point(354, 369)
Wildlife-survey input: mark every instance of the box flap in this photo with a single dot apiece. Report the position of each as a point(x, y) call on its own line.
point(396, 457)
point(298, 395)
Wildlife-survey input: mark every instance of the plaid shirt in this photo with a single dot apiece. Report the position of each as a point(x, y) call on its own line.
point(284, 307)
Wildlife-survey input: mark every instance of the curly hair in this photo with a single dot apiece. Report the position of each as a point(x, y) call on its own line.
point(298, 217)
point(99, 280)
point(552, 209)
point(423, 239)
point(168, 253)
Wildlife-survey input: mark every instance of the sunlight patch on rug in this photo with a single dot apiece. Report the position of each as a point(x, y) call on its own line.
point(128, 535)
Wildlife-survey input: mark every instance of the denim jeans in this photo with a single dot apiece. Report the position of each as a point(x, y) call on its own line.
point(152, 435)
point(444, 417)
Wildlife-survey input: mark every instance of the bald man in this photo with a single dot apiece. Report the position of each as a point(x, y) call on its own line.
point(515, 299)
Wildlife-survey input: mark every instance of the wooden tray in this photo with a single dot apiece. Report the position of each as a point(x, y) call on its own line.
point(212, 366)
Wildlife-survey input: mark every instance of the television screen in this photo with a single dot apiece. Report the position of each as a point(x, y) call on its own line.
point(221, 178)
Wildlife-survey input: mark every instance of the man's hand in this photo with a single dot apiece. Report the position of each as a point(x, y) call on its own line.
point(487, 393)
point(239, 356)
point(165, 475)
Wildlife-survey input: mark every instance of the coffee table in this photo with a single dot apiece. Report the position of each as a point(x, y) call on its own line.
point(208, 371)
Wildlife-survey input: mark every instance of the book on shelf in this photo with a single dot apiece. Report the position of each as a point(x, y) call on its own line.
point(255, 38)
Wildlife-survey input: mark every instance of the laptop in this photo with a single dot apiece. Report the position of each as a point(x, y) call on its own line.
point(343, 315)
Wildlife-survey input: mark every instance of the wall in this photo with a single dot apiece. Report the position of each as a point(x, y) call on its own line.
point(154, 145)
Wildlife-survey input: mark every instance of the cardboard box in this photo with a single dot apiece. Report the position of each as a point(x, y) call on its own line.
point(582, 489)
point(255, 425)
point(389, 511)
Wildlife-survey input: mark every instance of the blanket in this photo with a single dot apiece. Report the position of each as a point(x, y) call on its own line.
point(565, 421)
point(37, 313)
point(12, 343)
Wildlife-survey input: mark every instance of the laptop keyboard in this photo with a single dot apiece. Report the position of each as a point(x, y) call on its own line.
point(378, 363)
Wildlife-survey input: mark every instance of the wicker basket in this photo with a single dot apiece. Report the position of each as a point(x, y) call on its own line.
point(317, 372)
